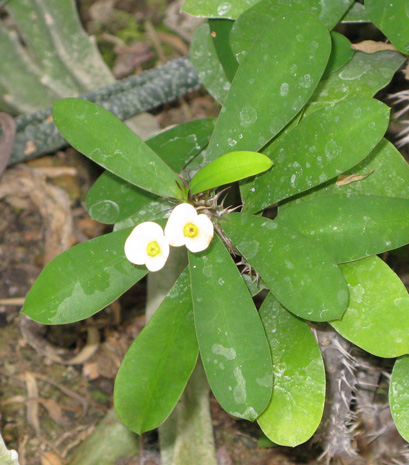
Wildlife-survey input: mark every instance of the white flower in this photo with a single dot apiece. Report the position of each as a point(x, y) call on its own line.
point(186, 227)
point(147, 245)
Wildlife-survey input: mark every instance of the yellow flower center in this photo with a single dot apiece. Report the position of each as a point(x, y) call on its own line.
point(153, 249)
point(190, 230)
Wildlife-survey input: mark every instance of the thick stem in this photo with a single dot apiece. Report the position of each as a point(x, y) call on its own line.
point(37, 134)
point(109, 442)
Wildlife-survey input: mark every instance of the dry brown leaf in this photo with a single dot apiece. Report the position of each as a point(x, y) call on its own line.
point(344, 179)
point(53, 409)
point(89, 349)
point(371, 46)
point(90, 370)
point(14, 399)
point(66, 391)
point(49, 458)
point(52, 202)
point(32, 401)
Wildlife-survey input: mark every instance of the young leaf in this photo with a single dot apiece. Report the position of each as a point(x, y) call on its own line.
point(295, 410)
point(233, 345)
point(322, 146)
point(204, 58)
point(217, 8)
point(377, 317)
point(271, 85)
point(301, 274)
point(399, 396)
point(82, 280)
point(158, 364)
point(258, 19)
point(392, 18)
point(105, 139)
point(351, 226)
point(228, 168)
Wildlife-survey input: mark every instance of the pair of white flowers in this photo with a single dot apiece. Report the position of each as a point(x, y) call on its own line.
point(149, 245)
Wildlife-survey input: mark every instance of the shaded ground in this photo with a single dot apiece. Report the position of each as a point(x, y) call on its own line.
point(49, 400)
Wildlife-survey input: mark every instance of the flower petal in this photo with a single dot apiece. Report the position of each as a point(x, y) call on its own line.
point(181, 214)
point(137, 241)
point(203, 239)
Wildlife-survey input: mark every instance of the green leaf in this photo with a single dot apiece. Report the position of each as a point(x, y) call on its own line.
point(220, 32)
point(82, 280)
point(377, 317)
point(356, 14)
point(351, 226)
point(295, 410)
point(231, 337)
point(385, 172)
point(204, 58)
point(322, 146)
point(267, 92)
point(179, 145)
point(228, 168)
point(258, 19)
point(301, 274)
point(105, 139)
point(363, 76)
point(399, 396)
point(158, 364)
point(341, 53)
point(113, 200)
point(217, 8)
point(392, 18)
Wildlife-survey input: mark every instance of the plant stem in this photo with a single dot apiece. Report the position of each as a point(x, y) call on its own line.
point(37, 134)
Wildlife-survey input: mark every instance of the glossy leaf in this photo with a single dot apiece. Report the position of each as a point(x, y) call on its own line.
point(105, 139)
point(220, 32)
point(258, 19)
point(112, 199)
point(233, 345)
point(82, 280)
point(377, 317)
point(158, 364)
point(301, 274)
point(228, 168)
point(356, 14)
point(352, 226)
point(341, 53)
point(295, 410)
point(204, 58)
point(399, 396)
point(217, 8)
point(392, 18)
point(257, 108)
point(385, 172)
point(322, 146)
point(363, 76)
point(179, 145)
